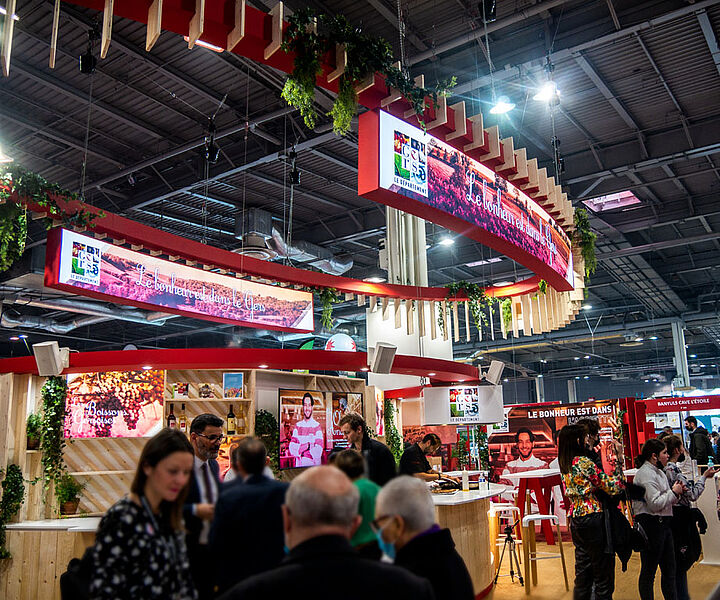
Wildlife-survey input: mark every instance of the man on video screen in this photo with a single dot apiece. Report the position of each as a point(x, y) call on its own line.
point(306, 443)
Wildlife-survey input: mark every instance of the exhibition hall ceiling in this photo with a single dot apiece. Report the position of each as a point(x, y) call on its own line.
point(639, 111)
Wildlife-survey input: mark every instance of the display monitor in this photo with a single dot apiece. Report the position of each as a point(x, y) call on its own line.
point(309, 425)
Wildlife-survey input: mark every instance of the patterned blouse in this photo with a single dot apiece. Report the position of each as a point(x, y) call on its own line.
point(694, 488)
point(133, 561)
point(583, 479)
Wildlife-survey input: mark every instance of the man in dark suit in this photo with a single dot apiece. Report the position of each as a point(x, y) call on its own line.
point(407, 529)
point(378, 458)
point(246, 537)
point(206, 435)
point(320, 515)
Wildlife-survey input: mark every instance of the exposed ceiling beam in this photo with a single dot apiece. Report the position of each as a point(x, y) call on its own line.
point(710, 36)
point(655, 246)
point(392, 18)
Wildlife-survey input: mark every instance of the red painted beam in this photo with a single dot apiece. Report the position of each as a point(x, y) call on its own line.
point(245, 358)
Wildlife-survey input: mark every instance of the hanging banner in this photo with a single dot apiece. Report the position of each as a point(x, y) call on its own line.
point(402, 166)
point(665, 405)
point(83, 265)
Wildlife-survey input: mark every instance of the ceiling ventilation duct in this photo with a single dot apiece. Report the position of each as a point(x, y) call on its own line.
point(262, 240)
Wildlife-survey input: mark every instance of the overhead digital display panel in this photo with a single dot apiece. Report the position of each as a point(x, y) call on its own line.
point(86, 266)
point(402, 166)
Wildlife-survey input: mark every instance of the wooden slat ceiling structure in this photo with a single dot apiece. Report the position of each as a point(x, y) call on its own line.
point(639, 110)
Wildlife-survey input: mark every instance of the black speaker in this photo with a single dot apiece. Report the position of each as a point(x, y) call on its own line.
point(87, 63)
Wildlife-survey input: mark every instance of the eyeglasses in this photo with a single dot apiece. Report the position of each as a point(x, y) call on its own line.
point(375, 525)
point(212, 438)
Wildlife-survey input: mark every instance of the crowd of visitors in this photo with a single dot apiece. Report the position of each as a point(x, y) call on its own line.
point(183, 534)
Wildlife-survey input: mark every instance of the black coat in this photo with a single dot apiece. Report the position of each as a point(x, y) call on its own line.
point(433, 555)
point(327, 568)
point(193, 524)
point(247, 536)
point(687, 525)
point(379, 460)
point(701, 446)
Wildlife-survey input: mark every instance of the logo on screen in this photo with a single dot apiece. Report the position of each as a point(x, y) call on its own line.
point(85, 266)
point(410, 163)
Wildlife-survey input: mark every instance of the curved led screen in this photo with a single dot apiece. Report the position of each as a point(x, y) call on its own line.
point(402, 166)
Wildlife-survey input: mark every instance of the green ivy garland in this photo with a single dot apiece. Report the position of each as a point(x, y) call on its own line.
point(542, 287)
point(327, 297)
point(28, 186)
point(266, 428)
point(506, 312)
point(52, 442)
point(13, 495)
point(584, 237)
point(393, 439)
point(483, 450)
point(365, 55)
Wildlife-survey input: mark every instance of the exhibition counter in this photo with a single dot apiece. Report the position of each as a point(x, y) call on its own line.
point(465, 514)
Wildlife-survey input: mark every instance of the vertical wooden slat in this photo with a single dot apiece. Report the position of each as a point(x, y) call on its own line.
point(535, 307)
point(54, 33)
point(197, 23)
point(421, 318)
point(397, 304)
point(515, 317)
point(410, 317)
point(278, 15)
point(526, 313)
point(433, 320)
point(340, 62)
point(154, 24)
point(467, 323)
point(456, 322)
point(446, 321)
point(361, 300)
point(6, 51)
point(385, 304)
point(238, 31)
point(106, 28)
point(373, 303)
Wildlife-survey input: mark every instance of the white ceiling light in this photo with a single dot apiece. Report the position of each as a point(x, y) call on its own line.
point(374, 279)
point(207, 45)
point(3, 11)
point(4, 158)
point(639, 339)
point(587, 306)
point(447, 241)
point(480, 263)
point(502, 106)
point(653, 337)
point(547, 92)
point(503, 283)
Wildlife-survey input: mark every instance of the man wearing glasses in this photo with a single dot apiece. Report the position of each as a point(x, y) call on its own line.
point(206, 436)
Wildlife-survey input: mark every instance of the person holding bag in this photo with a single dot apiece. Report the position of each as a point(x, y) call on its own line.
point(686, 537)
point(139, 547)
point(594, 559)
point(654, 513)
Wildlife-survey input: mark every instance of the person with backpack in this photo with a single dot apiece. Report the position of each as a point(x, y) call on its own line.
point(700, 444)
point(654, 513)
point(139, 547)
point(686, 537)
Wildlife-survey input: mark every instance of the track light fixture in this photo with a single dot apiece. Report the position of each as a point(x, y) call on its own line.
point(87, 61)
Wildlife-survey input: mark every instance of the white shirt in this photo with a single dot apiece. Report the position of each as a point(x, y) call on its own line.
point(204, 498)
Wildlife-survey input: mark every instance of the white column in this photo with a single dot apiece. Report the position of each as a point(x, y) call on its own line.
point(682, 378)
point(540, 389)
point(572, 393)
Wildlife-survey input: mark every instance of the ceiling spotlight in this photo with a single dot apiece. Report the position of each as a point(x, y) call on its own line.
point(693, 356)
point(431, 374)
point(647, 381)
point(587, 306)
point(503, 283)
point(577, 377)
point(262, 366)
point(374, 279)
point(547, 93)
point(639, 339)
point(22, 336)
point(447, 241)
point(146, 367)
point(207, 45)
point(540, 375)
point(14, 338)
point(542, 360)
point(653, 337)
point(365, 368)
point(586, 357)
point(586, 377)
point(502, 106)
point(576, 358)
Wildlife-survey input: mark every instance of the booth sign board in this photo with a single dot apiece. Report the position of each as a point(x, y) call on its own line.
point(404, 167)
point(83, 265)
point(664, 405)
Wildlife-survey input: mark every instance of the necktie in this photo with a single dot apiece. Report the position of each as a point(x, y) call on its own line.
point(206, 481)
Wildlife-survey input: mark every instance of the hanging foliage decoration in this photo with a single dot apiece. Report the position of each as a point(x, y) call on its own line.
point(506, 312)
point(327, 297)
point(13, 494)
point(392, 438)
point(477, 302)
point(26, 186)
point(483, 450)
point(52, 441)
point(311, 36)
point(585, 238)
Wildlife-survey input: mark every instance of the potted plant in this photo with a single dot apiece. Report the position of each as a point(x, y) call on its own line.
point(67, 492)
point(32, 430)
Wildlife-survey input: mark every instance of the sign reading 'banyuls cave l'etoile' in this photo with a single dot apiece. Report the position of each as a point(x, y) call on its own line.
point(83, 265)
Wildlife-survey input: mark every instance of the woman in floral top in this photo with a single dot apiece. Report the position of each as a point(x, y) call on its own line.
point(594, 566)
point(139, 551)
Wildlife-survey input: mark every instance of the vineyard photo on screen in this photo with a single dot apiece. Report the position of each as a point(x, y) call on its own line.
point(428, 170)
point(115, 404)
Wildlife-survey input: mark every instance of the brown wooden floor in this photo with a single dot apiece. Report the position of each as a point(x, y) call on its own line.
point(701, 579)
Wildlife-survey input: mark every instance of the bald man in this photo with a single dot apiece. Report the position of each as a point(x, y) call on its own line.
point(320, 515)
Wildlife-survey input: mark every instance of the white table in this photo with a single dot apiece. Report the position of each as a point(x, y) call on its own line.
point(77, 524)
point(472, 473)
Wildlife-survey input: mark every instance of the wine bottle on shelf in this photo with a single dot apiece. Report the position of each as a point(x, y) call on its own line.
point(241, 422)
point(231, 422)
point(171, 420)
point(182, 421)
